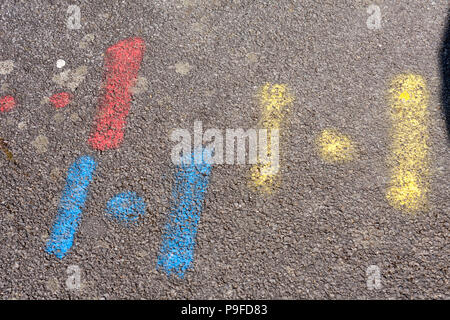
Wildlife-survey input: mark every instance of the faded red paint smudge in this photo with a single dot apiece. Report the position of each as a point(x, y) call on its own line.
point(122, 62)
point(60, 100)
point(7, 103)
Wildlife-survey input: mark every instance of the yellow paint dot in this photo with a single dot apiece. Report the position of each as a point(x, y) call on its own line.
point(335, 146)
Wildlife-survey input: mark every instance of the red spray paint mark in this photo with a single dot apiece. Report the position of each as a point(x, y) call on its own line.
point(7, 103)
point(60, 100)
point(122, 63)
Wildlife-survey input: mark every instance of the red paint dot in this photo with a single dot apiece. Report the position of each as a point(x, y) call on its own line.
point(60, 100)
point(7, 103)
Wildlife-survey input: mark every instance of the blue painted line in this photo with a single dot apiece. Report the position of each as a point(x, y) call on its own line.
point(191, 181)
point(126, 207)
point(71, 206)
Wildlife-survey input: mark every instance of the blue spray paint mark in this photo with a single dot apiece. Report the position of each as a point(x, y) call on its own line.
point(126, 207)
point(191, 181)
point(71, 206)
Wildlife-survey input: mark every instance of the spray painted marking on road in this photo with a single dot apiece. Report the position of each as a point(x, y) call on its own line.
point(79, 176)
point(335, 146)
point(122, 63)
point(410, 139)
point(275, 101)
point(60, 100)
point(191, 181)
point(126, 208)
point(7, 103)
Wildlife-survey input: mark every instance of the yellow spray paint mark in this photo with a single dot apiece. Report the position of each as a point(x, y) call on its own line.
point(409, 158)
point(335, 146)
point(275, 100)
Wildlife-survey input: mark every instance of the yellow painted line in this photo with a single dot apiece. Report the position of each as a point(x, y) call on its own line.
point(335, 146)
point(409, 150)
point(274, 100)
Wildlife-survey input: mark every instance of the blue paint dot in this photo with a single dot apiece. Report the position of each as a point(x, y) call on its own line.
point(126, 207)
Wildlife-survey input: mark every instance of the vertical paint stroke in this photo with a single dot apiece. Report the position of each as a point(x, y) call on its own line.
point(191, 181)
point(274, 100)
point(410, 139)
point(71, 205)
point(122, 63)
point(126, 207)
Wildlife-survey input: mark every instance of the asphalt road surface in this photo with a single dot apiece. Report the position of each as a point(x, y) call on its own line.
point(331, 229)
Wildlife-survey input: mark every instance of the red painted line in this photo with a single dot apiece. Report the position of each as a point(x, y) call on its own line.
point(60, 100)
point(122, 62)
point(7, 103)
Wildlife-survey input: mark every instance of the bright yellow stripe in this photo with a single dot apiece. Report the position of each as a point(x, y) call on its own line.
point(274, 100)
point(409, 159)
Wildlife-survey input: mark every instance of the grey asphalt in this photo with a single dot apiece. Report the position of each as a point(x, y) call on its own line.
point(205, 60)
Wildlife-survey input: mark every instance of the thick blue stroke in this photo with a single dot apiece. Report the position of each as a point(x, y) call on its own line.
point(71, 205)
point(177, 249)
point(126, 207)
